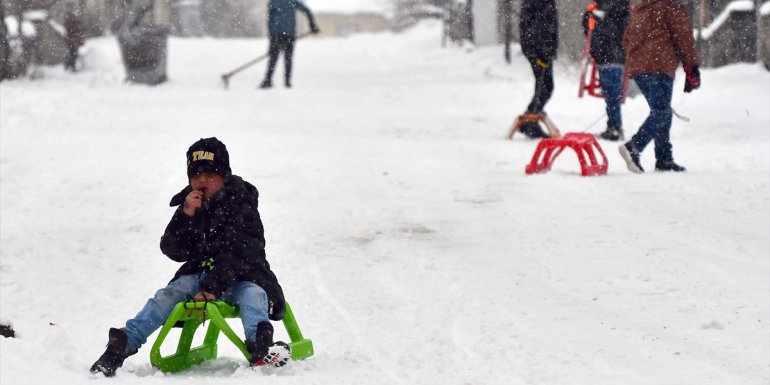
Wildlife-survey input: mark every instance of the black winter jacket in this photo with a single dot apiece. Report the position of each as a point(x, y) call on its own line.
point(227, 235)
point(538, 29)
point(607, 38)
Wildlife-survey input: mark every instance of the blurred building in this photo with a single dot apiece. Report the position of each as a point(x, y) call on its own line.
point(33, 35)
point(730, 31)
point(345, 24)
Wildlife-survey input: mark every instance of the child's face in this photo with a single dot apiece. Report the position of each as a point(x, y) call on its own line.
point(208, 183)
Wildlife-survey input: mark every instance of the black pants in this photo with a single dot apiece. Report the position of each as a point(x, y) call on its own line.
point(72, 58)
point(543, 86)
point(277, 44)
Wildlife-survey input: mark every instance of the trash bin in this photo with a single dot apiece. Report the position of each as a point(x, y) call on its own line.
point(144, 51)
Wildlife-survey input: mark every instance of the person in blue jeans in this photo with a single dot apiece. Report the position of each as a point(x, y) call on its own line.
point(658, 36)
point(610, 18)
point(217, 233)
point(611, 79)
point(657, 90)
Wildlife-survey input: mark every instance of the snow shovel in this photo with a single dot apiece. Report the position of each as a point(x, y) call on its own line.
point(226, 77)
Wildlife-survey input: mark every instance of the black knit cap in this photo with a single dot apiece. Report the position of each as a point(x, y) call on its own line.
point(208, 155)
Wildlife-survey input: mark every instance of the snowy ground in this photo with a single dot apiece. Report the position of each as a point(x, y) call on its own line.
point(409, 241)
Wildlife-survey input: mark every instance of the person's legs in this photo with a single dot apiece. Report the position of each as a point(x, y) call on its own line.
point(611, 78)
point(251, 301)
point(71, 59)
point(662, 140)
point(288, 55)
point(657, 90)
point(543, 87)
point(273, 51)
point(252, 304)
point(157, 309)
point(547, 88)
point(125, 342)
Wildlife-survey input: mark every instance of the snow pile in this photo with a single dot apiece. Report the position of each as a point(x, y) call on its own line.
point(733, 6)
point(349, 6)
point(410, 243)
point(764, 9)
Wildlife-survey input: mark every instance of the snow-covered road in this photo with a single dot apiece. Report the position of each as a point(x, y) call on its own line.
point(399, 220)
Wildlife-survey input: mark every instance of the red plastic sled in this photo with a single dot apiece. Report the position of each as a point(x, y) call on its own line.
point(584, 146)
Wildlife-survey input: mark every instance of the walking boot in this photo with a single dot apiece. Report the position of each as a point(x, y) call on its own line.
point(612, 134)
point(533, 131)
point(668, 166)
point(631, 155)
point(116, 353)
point(264, 351)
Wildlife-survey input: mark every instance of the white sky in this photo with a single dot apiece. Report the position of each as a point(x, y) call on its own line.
point(349, 6)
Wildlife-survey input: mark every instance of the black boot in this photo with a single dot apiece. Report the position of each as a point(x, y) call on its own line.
point(264, 351)
point(259, 346)
point(266, 84)
point(533, 131)
point(668, 166)
point(116, 353)
point(612, 133)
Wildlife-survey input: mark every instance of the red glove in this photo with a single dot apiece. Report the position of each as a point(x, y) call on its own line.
point(692, 78)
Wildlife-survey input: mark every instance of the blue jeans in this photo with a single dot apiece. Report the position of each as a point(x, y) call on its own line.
point(611, 77)
point(657, 88)
point(250, 299)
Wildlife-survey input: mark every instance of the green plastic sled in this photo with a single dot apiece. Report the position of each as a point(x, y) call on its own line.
point(191, 313)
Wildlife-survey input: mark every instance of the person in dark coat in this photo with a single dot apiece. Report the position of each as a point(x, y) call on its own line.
point(538, 33)
point(610, 21)
point(658, 37)
point(282, 28)
point(216, 231)
point(75, 34)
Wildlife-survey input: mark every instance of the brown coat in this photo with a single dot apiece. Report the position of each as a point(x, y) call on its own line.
point(75, 34)
point(659, 36)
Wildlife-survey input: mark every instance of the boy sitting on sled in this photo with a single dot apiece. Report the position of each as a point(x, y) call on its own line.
point(217, 232)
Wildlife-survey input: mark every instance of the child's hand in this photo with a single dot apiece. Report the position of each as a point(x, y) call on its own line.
point(204, 296)
point(193, 202)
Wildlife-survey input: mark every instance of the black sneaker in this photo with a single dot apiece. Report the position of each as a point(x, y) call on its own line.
point(631, 156)
point(612, 134)
point(668, 166)
point(533, 131)
point(266, 84)
point(116, 353)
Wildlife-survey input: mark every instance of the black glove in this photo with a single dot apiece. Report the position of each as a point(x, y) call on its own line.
point(692, 78)
point(314, 28)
